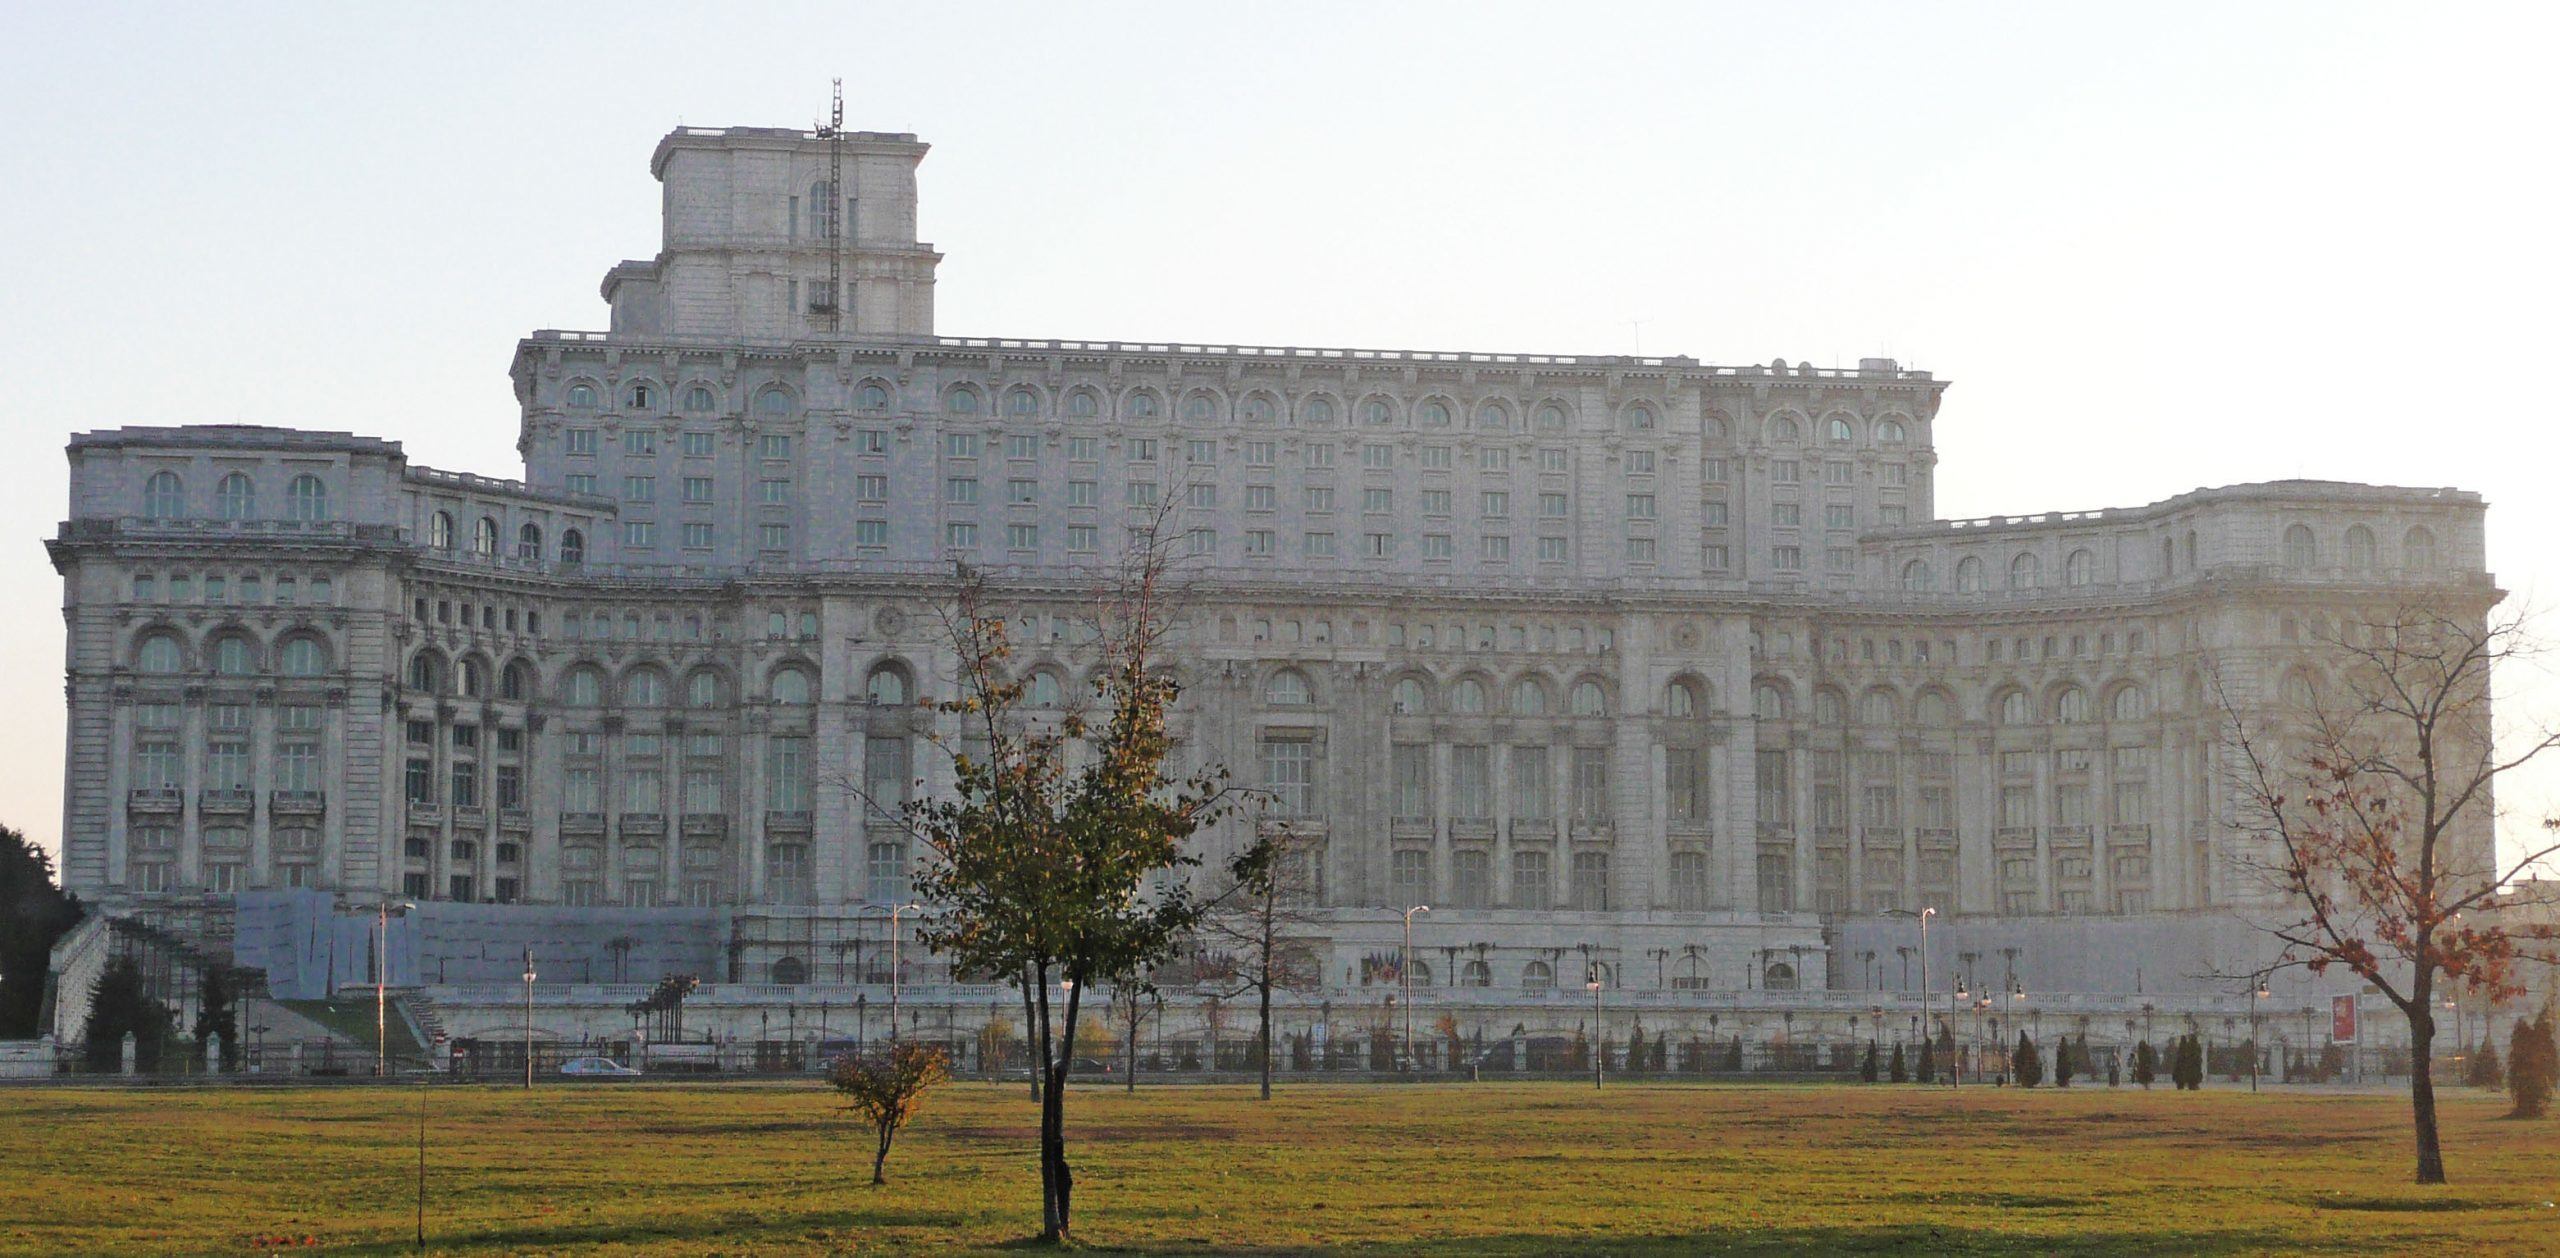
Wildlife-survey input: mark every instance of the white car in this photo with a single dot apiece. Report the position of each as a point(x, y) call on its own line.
point(597, 1068)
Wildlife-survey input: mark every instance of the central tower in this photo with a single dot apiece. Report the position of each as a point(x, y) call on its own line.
point(751, 226)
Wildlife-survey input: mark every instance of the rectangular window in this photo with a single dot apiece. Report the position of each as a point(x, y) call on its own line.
point(1787, 558)
point(787, 771)
point(773, 537)
point(1640, 462)
point(960, 490)
point(1786, 514)
point(1776, 803)
point(1084, 493)
point(1200, 495)
point(1436, 546)
point(871, 532)
point(582, 483)
point(1377, 456)
point(1377, 501)
point(1141, 493)
point(1685, 784)
point(1378, 545)
point(1411, 876)
point(420, 781)
point(510, 786)
point(697, 445)
point(870, 441)
point(1835, 472)
point(1409, 775)
point(1289, 773)
point(1552, 506)
point(1083, 538)
point(1084, 449)
point(1897, 474)
point(1319, 546)
point(1494, 547)
point(1785, 471)
point(1021, 492)
point(773, 493)
point(1022, 536)
point(1471, 878)
point(1471, 782)
point(582, 441)
point(1200, 452)
point(960, 534)
point(639, 535)
point(1777, 883)
point(1319, 498)
point(697, 536)
point(1689, 882)
point(1201, 541)
point(1591, 882)
point(639, 441)
point(1716, 557)
point(1142, 449)
point(960, 445)
point(1840, 515)
point(1553, 459)
point(1319, 454)
point(1554, 549)
point(1022, 446)
point(1257, 543)
point(1494, 458)
point(1532, 785)
point(1640, 550)
point(1260, 453)
point(885, 771)
point(697, 489)
point(774, 445)
point(1532, 880)
point(1591, 783)
point(639, 489)
point(1261, 498)
point(1435, 502)
point(466, 784)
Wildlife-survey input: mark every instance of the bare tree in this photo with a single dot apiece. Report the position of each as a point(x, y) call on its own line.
point(1256, 929)
point(1132, 998)
point(2366, 788)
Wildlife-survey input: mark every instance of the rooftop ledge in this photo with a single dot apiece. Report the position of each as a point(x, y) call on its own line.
point(1873, 369)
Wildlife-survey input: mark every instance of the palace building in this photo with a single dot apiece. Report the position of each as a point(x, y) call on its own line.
point(1636, 666)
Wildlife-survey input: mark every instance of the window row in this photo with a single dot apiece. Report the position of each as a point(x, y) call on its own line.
point(246, 589)
point(2065, 703)
point(235, 497)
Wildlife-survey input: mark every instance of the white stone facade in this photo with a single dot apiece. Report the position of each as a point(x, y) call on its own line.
point(1667, 660)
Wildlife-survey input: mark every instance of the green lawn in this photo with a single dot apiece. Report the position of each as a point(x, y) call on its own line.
point(1501, 1168)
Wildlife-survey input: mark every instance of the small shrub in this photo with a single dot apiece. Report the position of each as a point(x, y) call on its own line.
point(2484, 1070)
point(1867, 1066)
point(2027, 1063)
point(1901, 1073)
point(887, 1088)
point(2146, 1064)
point(2533, 1067)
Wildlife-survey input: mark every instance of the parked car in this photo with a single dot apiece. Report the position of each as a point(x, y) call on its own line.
point(597, 1068)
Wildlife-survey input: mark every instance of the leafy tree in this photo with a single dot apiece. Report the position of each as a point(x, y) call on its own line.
point(1901, 1073)
point(2533, 1065)
point(2372, 792)
point(1059, 853)
point(2146, 1064)
point(2484, 1069)
point(217, 1013)
point(2062, 1055)
point(1636, 1050)
point(34, 914)
point(121, 1004)
point(1867, 1066)
point(887, 1088)
point(1733, 1055)
point(2115, 1070)
point(1258, 915)
point(2027, 1063)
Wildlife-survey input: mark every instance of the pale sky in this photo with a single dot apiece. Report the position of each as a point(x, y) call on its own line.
point(2155, 246)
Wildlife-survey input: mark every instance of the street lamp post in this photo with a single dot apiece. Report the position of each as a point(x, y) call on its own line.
point(528, 1018)
point(1963, 1000)
point(895, 977)
point(1599, 1041)
point(1922, 915)
point(1404, 979)
point(382, 912)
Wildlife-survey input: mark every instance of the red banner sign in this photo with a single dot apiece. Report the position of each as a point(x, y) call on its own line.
point(2342, 1019)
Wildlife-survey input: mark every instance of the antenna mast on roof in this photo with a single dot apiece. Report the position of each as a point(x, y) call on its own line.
point(834, 131)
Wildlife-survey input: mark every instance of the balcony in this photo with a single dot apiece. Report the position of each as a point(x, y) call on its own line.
point(1474, 830)
point(473, 817)
point(297, 803)
point(706, 825)
point(2071, 836)
point(425, 810)
point(229, 803)
point(514, 819)
point(787, 821)
point(1413, 829)
point(642, 824)
point(156, 799)
point(1302, 828)
point(1692, 829)
point(1533, 830)
point(2014, 837)
point(1936, 837)
point(1594, 830)
point(588, 823)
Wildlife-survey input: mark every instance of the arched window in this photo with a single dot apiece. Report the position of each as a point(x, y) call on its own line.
point(1838, 431)
point(160, 654)
point(1890, 433)
point(699, 400)
point(2360, 548)
point(573, 548)
point(1022, 402)
point(232, 656)
point(1493, 417)
point(1933, 711)
point(1045, 690)
point(645, 688)
point(1589, 699)
point(2129, 703)
point(1377, 411)
point(886, 684)
point(1475, 974)
point(529, 542)
point(1198, 408)
point(776, 401)
point(236, 497)
point(1528, 697)
point(1969, 575)
point(164, 497)
point(1080, 404)
point(473, 678)
point(874, 396)
point(426, 672)
point(2014, 709)
point(1259, 410)
point(1829, 708)
point(308, 499)
point(1916, 577)
point(641, 396)
point(2301, 548)
point(1551, 418)
point(1408, 696)
point(1640, 418)
point(790, 972)
point(1779, 977)
point(1467, 696)
point(1782, 430)
point(1318, 410)
point(583, 687)
point(516, 681)
point(1433, 413)
point(1768, 703)
point(440, 531)
point(2418, 549)
point(582, 396)
point(2026, 572)
point(790, 687)
point(1288, 688)
point(1876, 707)
point(2071, 707)
point(300, 657)
point(960, 401)
point(1713, 427)
point(1537, 976)
point(702, 689)
point(2080, 569)
point(1142, 405)
point(484, 538)
point(1681, 699)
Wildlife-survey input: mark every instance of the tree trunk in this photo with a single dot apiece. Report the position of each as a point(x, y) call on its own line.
point(1134, 1019)
point(1038, 1062)
point(2422, 1095)
point(1266, 1031)
point(880, 1160)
